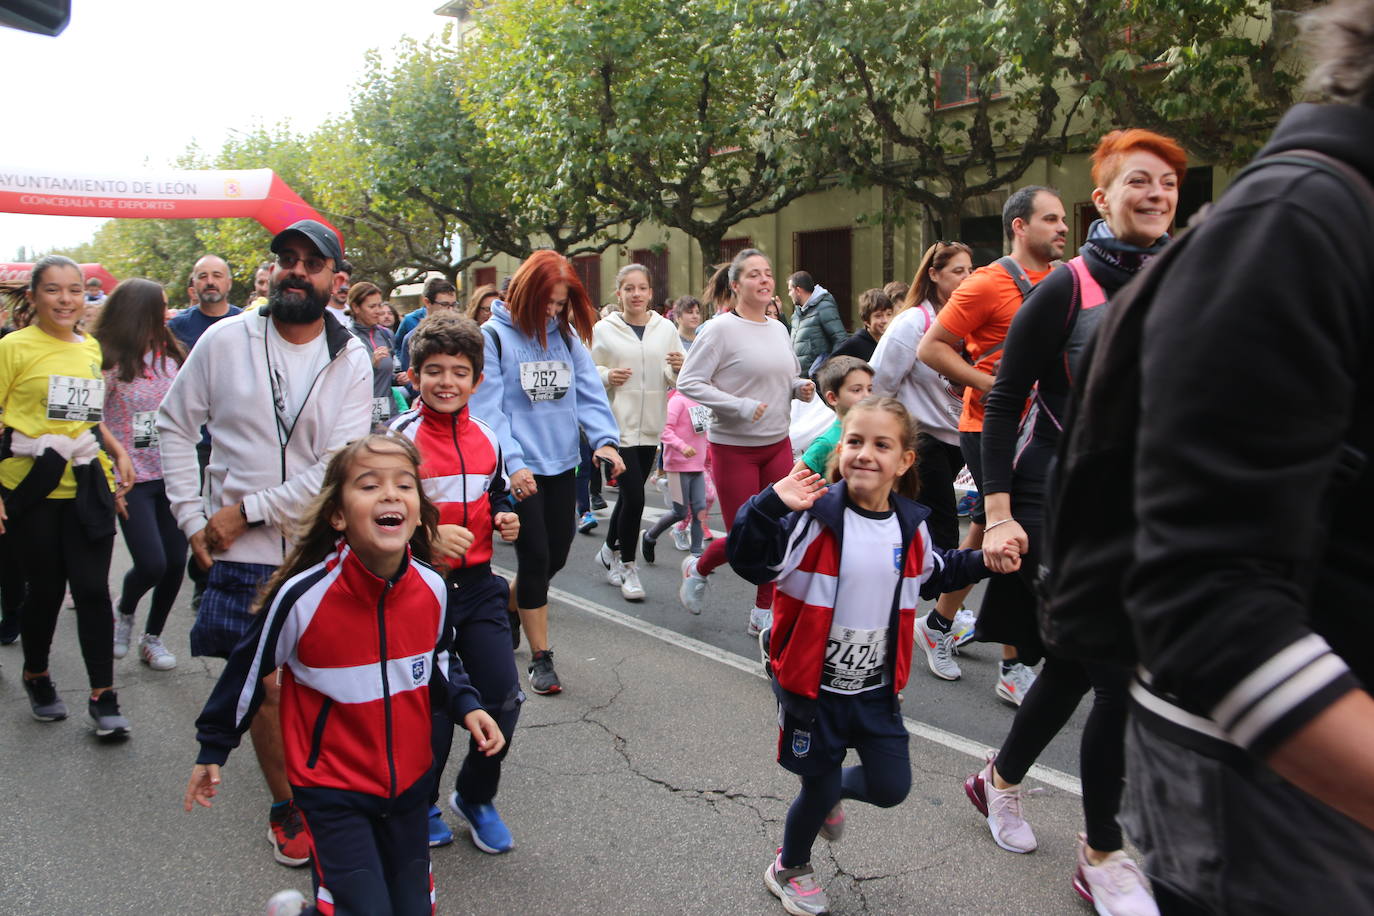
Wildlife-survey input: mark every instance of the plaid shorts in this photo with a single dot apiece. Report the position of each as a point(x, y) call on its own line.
point(224, 614)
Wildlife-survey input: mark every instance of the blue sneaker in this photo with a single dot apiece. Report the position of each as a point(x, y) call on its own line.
point(439, 832)
point(489, 832)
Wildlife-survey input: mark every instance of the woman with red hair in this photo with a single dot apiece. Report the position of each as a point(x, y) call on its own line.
point(1137, 173)
point(539, 386)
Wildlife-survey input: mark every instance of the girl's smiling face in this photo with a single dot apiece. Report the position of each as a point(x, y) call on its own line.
point(380, 509)
point(873, 456)
point(59, 301)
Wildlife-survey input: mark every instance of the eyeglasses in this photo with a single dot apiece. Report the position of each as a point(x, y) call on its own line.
point(313, 262)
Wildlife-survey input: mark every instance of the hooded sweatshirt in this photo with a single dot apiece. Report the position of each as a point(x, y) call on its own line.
point(535, 397)
point(641, 404)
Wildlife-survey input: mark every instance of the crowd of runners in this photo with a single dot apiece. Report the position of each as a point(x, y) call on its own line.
point(333, 477)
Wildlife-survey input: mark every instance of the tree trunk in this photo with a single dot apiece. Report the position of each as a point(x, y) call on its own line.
point(709, 243)
point(889, 214)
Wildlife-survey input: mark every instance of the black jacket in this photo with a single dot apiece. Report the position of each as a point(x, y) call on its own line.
point(1252, 598)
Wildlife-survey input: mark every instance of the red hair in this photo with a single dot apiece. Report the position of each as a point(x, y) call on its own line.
point(1114, 146)
point(531, 291)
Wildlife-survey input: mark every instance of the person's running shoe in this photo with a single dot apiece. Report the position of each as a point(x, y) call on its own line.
point(288, 834)
point(440, 834)
point(760, 619)
point(124, 632)
point(647, 546)
point(514, 620)
point(44, 702)
point(154, 654)
point(587, 523)
point(543, 679)
point(939, 650)
point(630, 587)
point(764, 636)
point(1002, 808)
point(615, 573)
point(964, 623)
point(286, 903)
point(1117, 887)
point(597, 502)
point(104, 712)
point(9, 629)
point(682, 539)
point(692, 592)
point(832, 831)
point(801, 894)
point(489, 833)
point(1013, 684)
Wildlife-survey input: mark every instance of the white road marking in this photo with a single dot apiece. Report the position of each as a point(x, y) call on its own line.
point(1048, 775)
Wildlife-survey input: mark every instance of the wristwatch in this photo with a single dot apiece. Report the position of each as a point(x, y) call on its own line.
point(243, 511)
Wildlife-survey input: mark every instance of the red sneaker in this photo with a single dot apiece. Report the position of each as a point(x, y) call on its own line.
point(289, 836)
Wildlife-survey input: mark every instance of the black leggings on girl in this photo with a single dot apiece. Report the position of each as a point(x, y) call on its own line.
point(623, 530)
point(158, 549)
point(547, 525)
point(1046, 709)
point(56, 551)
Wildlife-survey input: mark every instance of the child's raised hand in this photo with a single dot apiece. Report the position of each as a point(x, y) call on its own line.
point(508, 523)
point(485, 731)
point(204, 785)
point(452, 541)
point(800, 489)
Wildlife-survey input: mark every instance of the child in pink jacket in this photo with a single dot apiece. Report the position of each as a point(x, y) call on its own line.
point(684, 458)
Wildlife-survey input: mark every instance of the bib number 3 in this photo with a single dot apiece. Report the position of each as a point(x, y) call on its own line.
point(80, 399)
point(145, 429)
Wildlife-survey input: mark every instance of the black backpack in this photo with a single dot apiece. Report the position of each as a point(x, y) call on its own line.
point(1090, 524)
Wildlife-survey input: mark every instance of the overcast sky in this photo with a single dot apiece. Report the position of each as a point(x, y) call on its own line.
point(131, 83)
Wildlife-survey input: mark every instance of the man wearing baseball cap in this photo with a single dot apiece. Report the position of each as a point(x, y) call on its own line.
point(279, 388)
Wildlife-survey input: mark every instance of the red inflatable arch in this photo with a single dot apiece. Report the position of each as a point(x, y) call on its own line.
point(177, 194)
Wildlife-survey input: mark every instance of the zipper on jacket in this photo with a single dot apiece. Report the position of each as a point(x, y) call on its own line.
point(318, 736)
point(386, 692)
point(463, 470)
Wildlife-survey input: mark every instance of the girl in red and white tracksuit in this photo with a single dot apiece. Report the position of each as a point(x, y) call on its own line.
point(355, 621)
point(851, 561)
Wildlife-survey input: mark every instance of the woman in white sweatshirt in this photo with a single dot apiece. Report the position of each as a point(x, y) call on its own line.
point(638, 354)
point(742, 367)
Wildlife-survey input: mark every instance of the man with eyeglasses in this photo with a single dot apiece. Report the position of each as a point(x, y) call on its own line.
point(338, 300)
point(278, 389)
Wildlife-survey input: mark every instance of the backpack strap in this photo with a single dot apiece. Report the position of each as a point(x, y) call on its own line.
point(1018, 274)
point(1310, 158)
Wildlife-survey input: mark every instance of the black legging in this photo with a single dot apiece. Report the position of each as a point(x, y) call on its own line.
point(56, 553)
point(547, 526)
point(158, 549)
point(623, 528)
point(1046, 709)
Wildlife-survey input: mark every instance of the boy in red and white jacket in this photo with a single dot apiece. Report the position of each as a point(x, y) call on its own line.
point(463, 473)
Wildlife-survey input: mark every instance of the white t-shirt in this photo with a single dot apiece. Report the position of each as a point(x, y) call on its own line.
point(294, 368)
point(856, 653)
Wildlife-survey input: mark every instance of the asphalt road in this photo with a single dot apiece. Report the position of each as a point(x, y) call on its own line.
point(648, 786)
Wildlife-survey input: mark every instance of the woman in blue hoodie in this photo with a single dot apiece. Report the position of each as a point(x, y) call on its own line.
point(539, 386)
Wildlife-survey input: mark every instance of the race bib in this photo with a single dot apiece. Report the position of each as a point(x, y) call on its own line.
point(701, 418)
point(381, 410)
point(71, 398)
point(547, 380)
point(854, 660)
point(145, 429)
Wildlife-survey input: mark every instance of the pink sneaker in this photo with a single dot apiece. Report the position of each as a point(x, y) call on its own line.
point(832, 831)
point(1117, 887)
point(1002, 808)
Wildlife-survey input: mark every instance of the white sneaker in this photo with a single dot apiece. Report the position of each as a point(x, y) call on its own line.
point(124, 632)
point(964, 623)
point(1116, 887)
point(692, 592)
point(1002, 808)
point(1014, 684)
point(630, 588)
point(155, 654)
point(939, 650)
point(608, 559)
point(682, 539)
point(760, 619)
point(286, 903)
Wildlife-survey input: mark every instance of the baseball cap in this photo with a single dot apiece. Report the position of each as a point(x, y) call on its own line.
point(320, 235)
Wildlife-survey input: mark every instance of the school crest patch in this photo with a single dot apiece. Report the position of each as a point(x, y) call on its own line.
point(417, 671)
point(801, 743)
